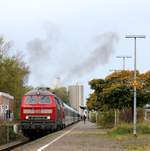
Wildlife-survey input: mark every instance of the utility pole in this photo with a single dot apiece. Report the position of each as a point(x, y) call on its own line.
point(135, 112)
point(123, 58)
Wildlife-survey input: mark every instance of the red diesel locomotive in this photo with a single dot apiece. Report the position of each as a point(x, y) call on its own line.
point(42, 111)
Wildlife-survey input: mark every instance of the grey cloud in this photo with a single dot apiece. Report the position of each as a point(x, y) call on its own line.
point(39, 52)
point(99, 56)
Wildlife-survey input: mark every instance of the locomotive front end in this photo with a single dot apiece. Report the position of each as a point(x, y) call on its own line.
point(37, 113)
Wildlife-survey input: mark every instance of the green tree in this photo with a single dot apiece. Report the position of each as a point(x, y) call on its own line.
point(145, 82)
point(116, 91)
point(117, 96)
point(91, 101)
point(13, 74)
point(62, 93)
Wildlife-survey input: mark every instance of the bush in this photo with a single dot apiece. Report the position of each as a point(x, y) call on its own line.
point(122, 129)
point(105, 119)
point(143, 128)
point(140, 114)
point(93, 117)
point(125, 115)
point(7, 134)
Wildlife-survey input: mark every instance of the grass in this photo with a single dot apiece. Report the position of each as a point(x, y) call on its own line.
point(140, 143)
point(123, 135)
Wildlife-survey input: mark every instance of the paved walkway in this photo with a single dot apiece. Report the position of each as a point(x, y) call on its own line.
point(79, 137)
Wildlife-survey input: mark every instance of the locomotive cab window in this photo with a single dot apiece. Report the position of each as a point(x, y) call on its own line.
point(30, 100)
point(44, 99)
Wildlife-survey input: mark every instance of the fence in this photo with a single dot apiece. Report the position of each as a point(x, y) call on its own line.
point(113, 117)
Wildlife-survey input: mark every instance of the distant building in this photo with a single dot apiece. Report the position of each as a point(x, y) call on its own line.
point(6, 106)
point(76, 96)
point(56, 83)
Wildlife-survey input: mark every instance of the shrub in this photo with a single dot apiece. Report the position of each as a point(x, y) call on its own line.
point(7, 134)
point(93, 117)
point(125, 115)
point(140, 115)
point(143, 128)
point(105, 119)
point(124, 128)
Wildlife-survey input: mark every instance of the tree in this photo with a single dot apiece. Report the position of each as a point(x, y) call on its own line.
point(13, 74)
point(145, 82)
point(62, 93)
point(116, 91)
point(117, 96)
point(91, 101)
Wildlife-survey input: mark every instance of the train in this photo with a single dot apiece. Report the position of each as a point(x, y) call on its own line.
point(41, 112)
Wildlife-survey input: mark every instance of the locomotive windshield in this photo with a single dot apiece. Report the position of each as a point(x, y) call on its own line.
point(37, 99)
point(30, 100)
point(44, 99)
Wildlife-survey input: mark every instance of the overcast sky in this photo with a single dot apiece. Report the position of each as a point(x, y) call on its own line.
point(65, 38)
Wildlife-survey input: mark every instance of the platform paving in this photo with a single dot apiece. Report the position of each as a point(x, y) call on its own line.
point(79, 137)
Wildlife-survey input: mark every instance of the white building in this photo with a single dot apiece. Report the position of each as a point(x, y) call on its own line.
point(76, 96)
point(56, 83)
point(6, 106)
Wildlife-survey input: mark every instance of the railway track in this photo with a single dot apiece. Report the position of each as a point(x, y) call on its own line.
point(10, 146)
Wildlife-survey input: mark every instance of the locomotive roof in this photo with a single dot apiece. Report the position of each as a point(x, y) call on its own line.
point(39, 92)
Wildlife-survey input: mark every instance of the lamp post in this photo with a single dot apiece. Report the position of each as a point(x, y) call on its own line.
point(134, 110)
point(123, 58)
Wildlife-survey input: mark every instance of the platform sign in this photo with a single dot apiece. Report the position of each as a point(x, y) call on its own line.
point(3, 108)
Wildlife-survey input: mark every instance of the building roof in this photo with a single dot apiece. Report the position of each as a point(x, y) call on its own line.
point(6, 95)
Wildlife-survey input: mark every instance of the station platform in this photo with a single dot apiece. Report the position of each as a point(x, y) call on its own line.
point(78, 137)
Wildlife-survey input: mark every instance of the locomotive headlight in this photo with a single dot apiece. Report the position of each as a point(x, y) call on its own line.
point(27, 117)
point(48, 117)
